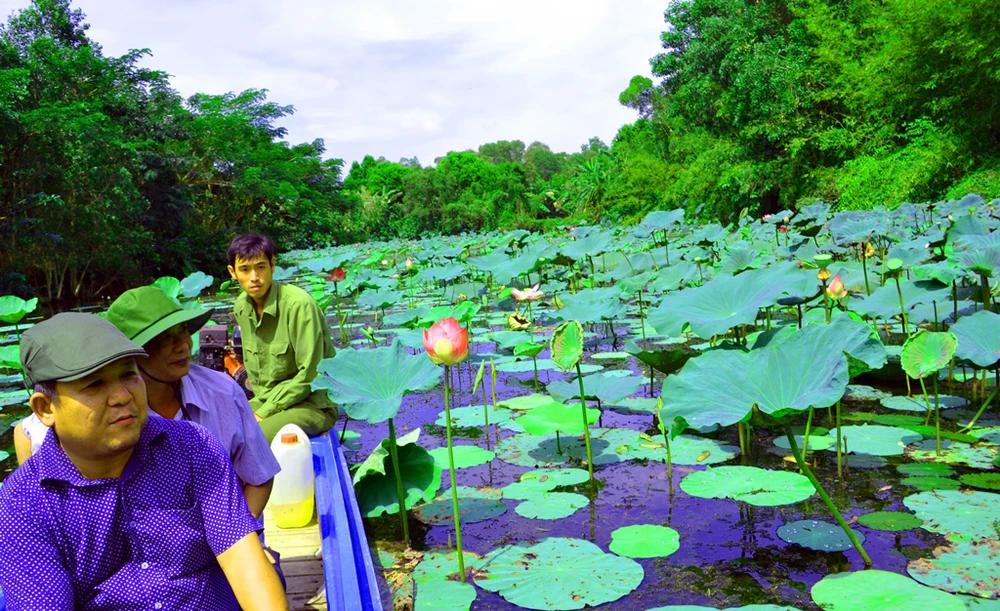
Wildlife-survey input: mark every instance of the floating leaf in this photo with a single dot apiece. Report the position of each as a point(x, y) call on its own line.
point(444, 596)
point(917, 404)
point(558, 573)
point(465, 456)
point(535, 483)
point(371, 384)
point(818, 535)
point(987, 481)
point(760, 487)
point(607, 387)
point(644, 541)
point(921, 482)
point(553, 417)
point(954, 453)
point(552, 505)
point(665, 361)
point(473, 506)
point(892, 521)
point(978, 338)
point(932, 469)
point(960, 513)
point(926, 352)
point(875, 590)
point(967, 567)
point(878, 440)
point(567, 345)
point(473, 416)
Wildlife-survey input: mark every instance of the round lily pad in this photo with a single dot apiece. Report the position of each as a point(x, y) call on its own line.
point(535, 483)
point(558, 573)
point(953, 512)
point(954, 453)
point(641, 405)
point(465, 456)
point(526, 402)
point(875, 590)
point(892, 521)
point(551, 505)
point(444, 596)
point(744, 608)
point(610, 356)
point(473, 506)
point(473, 416)
point(866, 461)
point(967, 567)
point(441, 565)
point(926, 469)
point(818, 535)
point(816, 442)
point(609, 445)
point(860, 392)
point(877, 440)
point(753, 485)
point(974, 603)
point(930, 482)
point(684, 450)
point(644, 541)
point(987, 481)
point(917, 404)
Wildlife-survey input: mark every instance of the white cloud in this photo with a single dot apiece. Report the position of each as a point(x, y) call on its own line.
point(398, 79)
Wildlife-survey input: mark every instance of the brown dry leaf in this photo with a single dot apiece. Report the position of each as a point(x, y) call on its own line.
point(704, 455)
point(884, 488)
point(651, 446)
point(645, 436)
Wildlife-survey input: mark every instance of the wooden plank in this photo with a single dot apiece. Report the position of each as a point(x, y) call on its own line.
point(303, 570)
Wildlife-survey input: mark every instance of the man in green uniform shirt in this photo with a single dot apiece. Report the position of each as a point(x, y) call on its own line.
point(285, 336)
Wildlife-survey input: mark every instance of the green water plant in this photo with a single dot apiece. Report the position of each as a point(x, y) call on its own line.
point(566, 347)
point(924, 354)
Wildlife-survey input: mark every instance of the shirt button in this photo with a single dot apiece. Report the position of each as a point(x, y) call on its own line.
point(132, 524)
point(158, 606)
point(145, 565)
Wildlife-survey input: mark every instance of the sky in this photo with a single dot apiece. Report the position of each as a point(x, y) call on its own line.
point(401, 78)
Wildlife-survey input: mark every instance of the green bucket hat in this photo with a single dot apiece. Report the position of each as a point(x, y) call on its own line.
point(143, 313)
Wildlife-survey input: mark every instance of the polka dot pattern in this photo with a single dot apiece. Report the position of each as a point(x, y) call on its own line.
point(145, 541)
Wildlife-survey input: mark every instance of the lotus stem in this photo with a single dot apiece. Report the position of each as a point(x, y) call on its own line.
point(586, 429)
point(400, 495)
point(979, 413)
point(486, 416)
point(666, 443)
point(642, 317)
point(902, 306)
point(651, 380)
point(344, 432)
point(534, 363)
point(558, 444)
point(937, 415)
point(742, 433)
point(805, 438)
point(826, 498)
point(451, 475)
point(984, 282)
point(840, 470)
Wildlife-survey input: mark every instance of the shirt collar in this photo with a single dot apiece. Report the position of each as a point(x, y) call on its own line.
point(270, 306)
point(53, 463)
point(191, 395)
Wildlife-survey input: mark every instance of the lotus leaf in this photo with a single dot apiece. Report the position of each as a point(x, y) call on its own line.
point(721, 386)
point(975, 603)
point(526, 402)
point(744, 608)
point(535, 483)
point(445, 596)
point(986, 481)
point(818, 535)
point(926, 352)
point(968, 567)
point(665, 361)
point(375, 478)
point(370, 384)
point(875, 590)
point(591, 245)
point(951, 512)
point(978, 338)
point(985, 260)
point(609, 445)
point(10, 357)
point(551, 505)
point(592, 305)
point(283, 273)
point(645, 541)
point(567, 345)
point(843, 335)
point(522, 366)
point(934, 469)
point(954, 453)
point(442, 565)
point(473, 416)
point(917, 404)
point(529, 350)
point(676, 276)
point(193, 285)
point(921, 482)
point(663, 219)
point(892, 521)
point(684, 450)
point(473, 506)
point(379, 299)
point(884, 301)
point(170, 286)
point(752, 485)
point(13, 309)
point(630, 284)
point(465, 456)
point(816, 442)
point(610, 356)
point(606, 387)
point(641, 405)
point(878, 440)
point(860, 392)
point(553, 417)
point(727, 301)
point(558, 573)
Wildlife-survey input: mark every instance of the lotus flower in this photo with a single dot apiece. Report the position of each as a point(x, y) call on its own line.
point(409, 263)
point(446, 342)
point(783, 229)
point(532, 294)
point(836, 289)
point(338, 275)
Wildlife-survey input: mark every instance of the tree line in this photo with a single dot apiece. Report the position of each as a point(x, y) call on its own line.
point(109, 177)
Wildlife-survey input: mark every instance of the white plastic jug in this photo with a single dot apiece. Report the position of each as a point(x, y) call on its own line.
point(292, 497)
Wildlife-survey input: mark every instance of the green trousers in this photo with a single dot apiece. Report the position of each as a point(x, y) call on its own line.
point(311, 420)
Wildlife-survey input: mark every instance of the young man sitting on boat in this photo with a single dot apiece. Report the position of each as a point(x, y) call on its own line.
point(117, 510)
point(285, 336)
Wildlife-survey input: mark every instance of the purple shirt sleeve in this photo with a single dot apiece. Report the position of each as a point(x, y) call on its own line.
point(254, 461)
point(224, 509)
point(32, 572)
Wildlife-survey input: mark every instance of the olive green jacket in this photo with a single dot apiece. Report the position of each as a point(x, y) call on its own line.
point(282, 349)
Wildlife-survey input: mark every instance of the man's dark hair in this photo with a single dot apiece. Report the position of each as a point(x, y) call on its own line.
point(248, 246)
point(47, 388)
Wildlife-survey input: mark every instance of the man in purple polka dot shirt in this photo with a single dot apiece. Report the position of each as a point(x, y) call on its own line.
point(117, 511)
